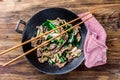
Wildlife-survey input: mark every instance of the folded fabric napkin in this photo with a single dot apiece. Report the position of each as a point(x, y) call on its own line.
point(95, 43)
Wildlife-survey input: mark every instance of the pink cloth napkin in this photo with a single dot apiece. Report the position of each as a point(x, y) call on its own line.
point(95, 43)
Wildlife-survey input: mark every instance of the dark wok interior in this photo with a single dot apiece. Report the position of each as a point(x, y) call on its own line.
point(30, 28)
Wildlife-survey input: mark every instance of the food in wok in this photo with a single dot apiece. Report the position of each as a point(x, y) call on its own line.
point(59, 51)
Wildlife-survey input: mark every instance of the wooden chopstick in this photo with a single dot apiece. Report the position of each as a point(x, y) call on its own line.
point(42, 44)
point(10, 49)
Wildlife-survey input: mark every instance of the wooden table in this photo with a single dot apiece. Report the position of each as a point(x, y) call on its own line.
point(13, 10)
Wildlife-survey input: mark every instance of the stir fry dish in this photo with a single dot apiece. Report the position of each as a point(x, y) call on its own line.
point(61, 50)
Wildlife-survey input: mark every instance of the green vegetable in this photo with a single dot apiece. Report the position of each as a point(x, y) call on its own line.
point(61, 41)
point(46, 23)
point(49, 37)
point(64, 58)
point(61, 58)
point(57, 55)
point(69, 26)
point(64, 55)
point(38, 32)
point(51, 61)
point(49, 24)
point(71, 38)
point(54, 41)
point(70, 35)
point(51, 20)
point(76, 42)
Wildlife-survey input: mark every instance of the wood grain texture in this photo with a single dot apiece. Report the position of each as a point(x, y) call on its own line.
point(13, 10)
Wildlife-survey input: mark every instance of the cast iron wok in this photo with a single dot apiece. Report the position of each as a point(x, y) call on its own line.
point(30, 29)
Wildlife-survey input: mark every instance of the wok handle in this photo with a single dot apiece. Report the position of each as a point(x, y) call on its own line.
point(17, 28)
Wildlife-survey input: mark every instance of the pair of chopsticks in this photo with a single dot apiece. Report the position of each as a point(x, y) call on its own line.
point(42, 44)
